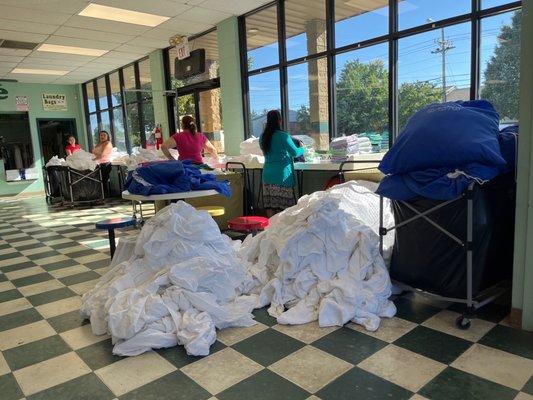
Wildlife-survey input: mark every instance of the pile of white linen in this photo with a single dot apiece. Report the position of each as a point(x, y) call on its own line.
point(183, 280)
point(251, 147)
point(55, 161)
point(320, 260)
point(81, 160)
point(116, 154)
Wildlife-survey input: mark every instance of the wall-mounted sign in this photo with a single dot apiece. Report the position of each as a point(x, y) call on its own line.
point(54, 102)
point(22, 103)
point(3, 93)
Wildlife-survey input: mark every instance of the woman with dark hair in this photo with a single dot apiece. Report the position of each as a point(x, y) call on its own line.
point(278, 171)
point(102, 151)
point(72, 147)
point(189, 142)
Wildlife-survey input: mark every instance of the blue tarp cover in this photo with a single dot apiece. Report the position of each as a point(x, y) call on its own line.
point(172, 177)
point(443, 148)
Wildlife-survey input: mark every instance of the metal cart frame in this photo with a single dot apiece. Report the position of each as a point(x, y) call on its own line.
point(48, 189)
point(74, 177)
point(472, 303)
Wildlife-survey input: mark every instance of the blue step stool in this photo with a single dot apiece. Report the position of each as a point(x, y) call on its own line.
point(112, 224)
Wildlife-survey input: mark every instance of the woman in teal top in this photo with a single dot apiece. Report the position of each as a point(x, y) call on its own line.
point(278, 171)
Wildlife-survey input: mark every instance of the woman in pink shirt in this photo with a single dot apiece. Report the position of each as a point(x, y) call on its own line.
point(189, 142)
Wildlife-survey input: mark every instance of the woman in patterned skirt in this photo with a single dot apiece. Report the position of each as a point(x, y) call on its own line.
point(278, 171)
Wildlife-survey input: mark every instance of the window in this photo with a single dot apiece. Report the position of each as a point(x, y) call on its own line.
point(356, 21)
point(308, 101)
point(493, 3)
point(500, 63)
point(419, 12)
point(363, 92)
point(262, 38)
point(305, 27)
point(433, 66)
point(91, 102)
point(108, 113)
point(264, 96)
point(211, 117)
point(114, 83)
point(102, 93)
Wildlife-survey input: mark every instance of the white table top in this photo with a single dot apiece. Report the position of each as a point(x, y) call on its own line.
point(169, 196)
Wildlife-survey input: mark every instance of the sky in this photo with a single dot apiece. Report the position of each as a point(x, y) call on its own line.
point(415, 60)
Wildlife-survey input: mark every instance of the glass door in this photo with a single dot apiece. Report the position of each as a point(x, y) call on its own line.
point(210, 112)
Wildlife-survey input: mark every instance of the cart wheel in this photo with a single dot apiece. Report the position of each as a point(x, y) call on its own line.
point(463, 323)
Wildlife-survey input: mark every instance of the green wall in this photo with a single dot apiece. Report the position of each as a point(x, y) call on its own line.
point(34, 93)
point(157, 72)
point(523, 259)
point(230, 84)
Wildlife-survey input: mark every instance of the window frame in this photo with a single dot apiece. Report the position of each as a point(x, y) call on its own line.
point(98, 111)
point(474, 17)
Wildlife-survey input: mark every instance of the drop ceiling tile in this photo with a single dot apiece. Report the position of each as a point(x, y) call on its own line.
point(14, 52)
point(149, 42)
point(204, 15)
point(32, 78)
point(184, 27)
point(12, 59)
point(120, 55)
point(62, 6)
point(8, 64)
point(47, 55)
point(34, 27)
point(158, 33)
point(236, 7)
point(160, 7)
point(87, 43)
point(25, 14)
point(77, 21)
point(82, 33)
point(129, 48)
point(22, 36)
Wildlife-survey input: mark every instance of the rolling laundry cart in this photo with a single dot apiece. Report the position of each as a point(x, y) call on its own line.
point(459, 250)
point(52, 184)
point(82, 187)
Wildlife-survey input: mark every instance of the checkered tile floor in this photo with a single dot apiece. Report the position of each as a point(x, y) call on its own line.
point(50, 256)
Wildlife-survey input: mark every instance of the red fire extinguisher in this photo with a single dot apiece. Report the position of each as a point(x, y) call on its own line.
point(158, 136)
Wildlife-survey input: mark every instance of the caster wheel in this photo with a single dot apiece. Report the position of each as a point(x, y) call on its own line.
point(463, 323)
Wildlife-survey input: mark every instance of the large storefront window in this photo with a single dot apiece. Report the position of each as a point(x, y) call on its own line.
point(433, 67)
point(363, 91)
point(264, 96)
point(500, 63)
point(389, 59)
point(127, 130)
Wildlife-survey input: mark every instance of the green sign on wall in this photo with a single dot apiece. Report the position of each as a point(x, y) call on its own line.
point(3, 93)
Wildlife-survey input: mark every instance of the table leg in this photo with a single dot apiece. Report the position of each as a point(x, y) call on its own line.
point(160, 204)
point(111, 234)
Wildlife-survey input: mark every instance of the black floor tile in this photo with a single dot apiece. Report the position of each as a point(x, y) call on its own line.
point(414, 311)
point(9, 295)
point(35, 352)
point(50, 296)
point(261, 315)
point(67, 321)
point(9, 388)
point(19, 318)
point(32, 279)
point(98, 355)
point(178, 357)
point(511, 340)
point(86, 387)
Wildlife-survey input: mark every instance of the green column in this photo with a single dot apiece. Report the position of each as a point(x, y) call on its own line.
point(230, 84)
point(523, 257)
point(157, 71)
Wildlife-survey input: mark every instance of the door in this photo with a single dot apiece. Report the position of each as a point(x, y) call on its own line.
point(53, 134)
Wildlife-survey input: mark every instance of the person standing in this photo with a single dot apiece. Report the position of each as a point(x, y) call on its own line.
point(102, 153)
point(72, 146)
point(278, 171)
point(189, 142)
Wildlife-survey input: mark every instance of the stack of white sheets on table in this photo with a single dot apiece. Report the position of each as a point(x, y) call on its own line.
point(364, 144)
point(341, 148)
point(251, 147)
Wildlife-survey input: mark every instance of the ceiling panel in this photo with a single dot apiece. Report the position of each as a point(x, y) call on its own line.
point(12, 58)
point(25, 14)
point(62, 6)
point(160, 7)
point(66, 58)
point(96, 35)
point(183, 26)
point(158, 33)
point(87, 43)
point(32, 78)
point(236, 7)
point(22, 36)
point(95, 24)
point(34, 27)
point(129, 48)
point(204, 15)
point(149, 42)
point(14, 52)
point(120, 55)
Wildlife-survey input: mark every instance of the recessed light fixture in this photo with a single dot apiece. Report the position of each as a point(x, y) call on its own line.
point(82, 51)
point(38, 71)
point(122, 15)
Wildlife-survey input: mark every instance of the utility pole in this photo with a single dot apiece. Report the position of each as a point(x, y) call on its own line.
point(443, 46)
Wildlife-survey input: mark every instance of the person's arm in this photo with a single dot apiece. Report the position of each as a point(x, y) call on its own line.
point(69, 153)
point(97, 152)
point(168, 144)
point(107, 150)
point(208, 146)
point(291, 148)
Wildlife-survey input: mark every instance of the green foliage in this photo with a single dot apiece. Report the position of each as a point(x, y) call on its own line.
point(502, 75)
point(414, 96)
point(303, 121)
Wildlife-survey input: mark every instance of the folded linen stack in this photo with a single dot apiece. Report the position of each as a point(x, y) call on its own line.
point(343, 146)
point(364, 145)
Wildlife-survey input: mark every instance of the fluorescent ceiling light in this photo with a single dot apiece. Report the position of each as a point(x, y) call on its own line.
point(38, 71)
point(122, 15)
point(82, 51)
